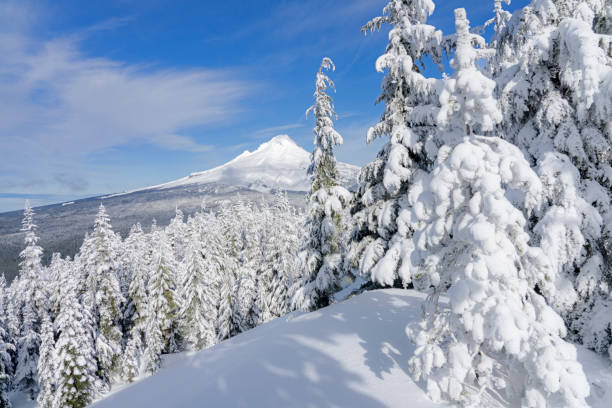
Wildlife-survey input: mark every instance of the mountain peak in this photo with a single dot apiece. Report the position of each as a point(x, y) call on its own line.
point(280, 141)
point(277, 163)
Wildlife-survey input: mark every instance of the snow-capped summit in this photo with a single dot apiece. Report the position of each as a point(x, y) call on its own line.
point(278, 163)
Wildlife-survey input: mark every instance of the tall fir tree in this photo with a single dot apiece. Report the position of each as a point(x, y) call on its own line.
point(284, 248)
point(249, 257)
point(46, 364)
point(198, 318)
point(138, 261)
point(324, 247)
point(229, 231)
point(177, 235)
point(265, 274)
point(161, 326)
point(75, 353)
point(31, 300)
point(225, 322)
point(6, 347)
point(378, 248)
point(103, 294)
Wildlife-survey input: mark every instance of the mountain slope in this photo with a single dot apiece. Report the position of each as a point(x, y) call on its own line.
point(351, 354)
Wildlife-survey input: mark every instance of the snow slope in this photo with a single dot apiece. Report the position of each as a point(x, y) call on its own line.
point(351, 354)
point(278, 163)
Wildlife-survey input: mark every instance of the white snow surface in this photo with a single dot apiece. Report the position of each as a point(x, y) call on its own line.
point(278, 163)
point(351, 354)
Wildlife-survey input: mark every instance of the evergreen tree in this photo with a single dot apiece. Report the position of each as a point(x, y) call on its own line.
point(46, 364)
point(246, 297)
point(32, 302)
point(496, 341)
point(6, 347)
point(103, 295)
point(12, 303)
point(225, 314)
point(137, 260)
point(177, 235)
point(229, 231)
point(378, 248)
point(554, 74)
point(161, 323)
point(326, 224)
point(283, 249)
point(75, 352)
point(130, 366)
point(249, 257)
point(197, 315)
point(265, 274)
point(58, 270)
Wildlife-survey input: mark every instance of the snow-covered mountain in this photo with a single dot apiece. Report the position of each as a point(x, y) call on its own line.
point(278, 163)
point(351, 354)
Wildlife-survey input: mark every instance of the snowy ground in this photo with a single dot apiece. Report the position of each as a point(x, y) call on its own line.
point(352, 354)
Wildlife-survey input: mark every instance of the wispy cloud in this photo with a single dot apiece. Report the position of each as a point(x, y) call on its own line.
point(297, 17)
point(58, 105)
point(275, 130)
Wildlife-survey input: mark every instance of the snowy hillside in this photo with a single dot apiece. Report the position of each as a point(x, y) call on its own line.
point(352, 354)
point(278, 163)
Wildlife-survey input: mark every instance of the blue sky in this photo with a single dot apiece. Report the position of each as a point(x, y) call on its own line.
point(107, 96)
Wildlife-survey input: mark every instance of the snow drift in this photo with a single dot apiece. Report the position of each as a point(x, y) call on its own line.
point(351, 354)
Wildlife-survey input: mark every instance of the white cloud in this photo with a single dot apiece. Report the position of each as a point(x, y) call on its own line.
point(275, 130)
point(57, 105)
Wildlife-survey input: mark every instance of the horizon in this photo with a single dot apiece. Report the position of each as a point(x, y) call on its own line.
point(118, 96)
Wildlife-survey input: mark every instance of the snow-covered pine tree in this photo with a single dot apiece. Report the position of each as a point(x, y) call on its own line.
point(503, 50)
point(31, 299)
point(377, 248)
point(56, 271)
point(46, 364)
point(246, 298)
point(285, 247)
point(324, 246)
point(12, 324)
point(225, 322)
point(198, 310)
point(161, 323)
point(138, 262)
point(177, 234)
point(555, 97)
point(263, 303)
point(130, 364)
point(496, 342)
point(228, 228)
point(208, 228)
point(75, 352)
point(6, 348)
point(103, 295)
point(249, 257)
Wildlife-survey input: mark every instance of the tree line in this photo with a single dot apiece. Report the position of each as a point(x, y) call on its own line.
point(71, 329)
